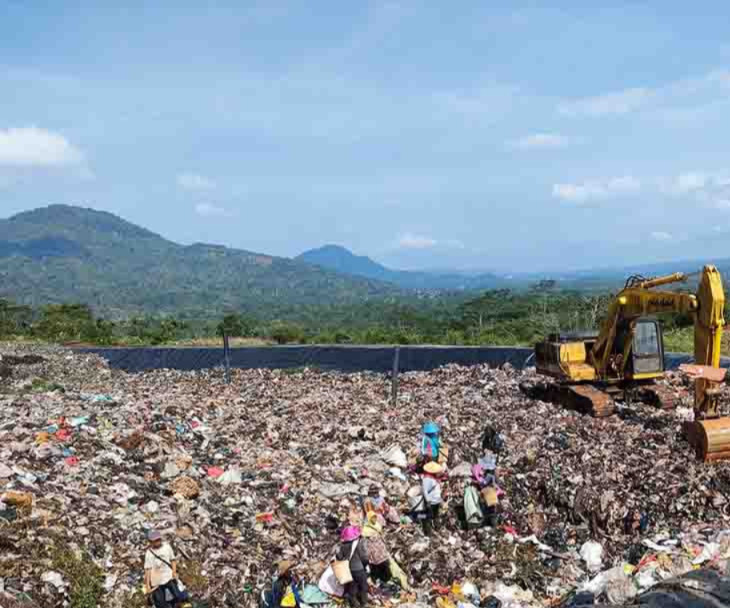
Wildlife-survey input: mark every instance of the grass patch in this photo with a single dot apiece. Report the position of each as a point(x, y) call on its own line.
point(136, 599)
point(682, 341)
point(191, 573)
point(85, 577)
point(41, 385)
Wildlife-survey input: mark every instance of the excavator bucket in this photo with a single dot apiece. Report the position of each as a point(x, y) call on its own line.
point(708, 372)
point(710, 438)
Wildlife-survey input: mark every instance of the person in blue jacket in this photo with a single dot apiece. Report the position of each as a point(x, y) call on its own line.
point(430, 443)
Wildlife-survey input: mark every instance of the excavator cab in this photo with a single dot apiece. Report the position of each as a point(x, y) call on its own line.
point(647, 349)
point(638, 350)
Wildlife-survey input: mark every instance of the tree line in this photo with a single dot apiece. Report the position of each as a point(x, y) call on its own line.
point(495, 317)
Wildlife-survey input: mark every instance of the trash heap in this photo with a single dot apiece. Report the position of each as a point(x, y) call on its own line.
point(240, 476)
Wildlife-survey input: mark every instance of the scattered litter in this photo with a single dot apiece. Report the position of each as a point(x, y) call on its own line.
point(239, 476)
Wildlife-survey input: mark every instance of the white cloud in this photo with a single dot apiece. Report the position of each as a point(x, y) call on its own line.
point(542, 141)
point(415, 241)
point(33, 147)
point(596, 189)
point(577, 193)
point(680, 101)
point(708, 188)
point(661, 236)
point(688, 182)
point(486, 103)
point(618, 102)
point(192, 181)
point(210, 210)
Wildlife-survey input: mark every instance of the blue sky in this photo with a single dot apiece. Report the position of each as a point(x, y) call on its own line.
point(501, 136)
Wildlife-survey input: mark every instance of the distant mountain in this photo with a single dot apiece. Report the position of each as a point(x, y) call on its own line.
point(335, 257)
point(63, 253)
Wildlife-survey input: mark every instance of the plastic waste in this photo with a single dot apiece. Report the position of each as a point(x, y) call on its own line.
point(592, 554)
point(395, 457)
point(710, 552)
point(54, 578)
point(231, 476)
point(608, 578)
point(328, 583)
point(470, 592)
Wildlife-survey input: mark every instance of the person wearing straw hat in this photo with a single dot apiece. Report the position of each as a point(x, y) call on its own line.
point(284, 581)
point(354, 548)
point(431, 488)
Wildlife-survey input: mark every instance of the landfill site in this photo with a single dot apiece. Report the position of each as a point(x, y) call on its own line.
point(238, 477)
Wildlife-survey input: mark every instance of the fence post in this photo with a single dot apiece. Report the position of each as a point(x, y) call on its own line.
point(227, 356)
point(394, 377)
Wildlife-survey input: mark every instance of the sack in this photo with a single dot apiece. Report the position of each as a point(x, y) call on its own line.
point(397, 574)
point(416, 500)
point(178, 591)
point(395, 457)
point(288, 601)
point(341, 568)
point(328, 583)
point(377, 550)
point(489, 494)
point(472, 509)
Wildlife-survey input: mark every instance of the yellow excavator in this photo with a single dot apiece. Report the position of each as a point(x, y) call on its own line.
point(626, 356)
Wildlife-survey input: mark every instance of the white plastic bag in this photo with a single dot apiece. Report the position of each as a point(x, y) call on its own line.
point(592, 554)
point(231, 476)
point(328, 583)
point(395, 457)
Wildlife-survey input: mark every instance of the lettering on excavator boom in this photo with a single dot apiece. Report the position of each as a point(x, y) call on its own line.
point(661, 302)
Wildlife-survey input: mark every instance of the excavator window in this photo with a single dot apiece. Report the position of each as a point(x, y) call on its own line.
point(648, 349)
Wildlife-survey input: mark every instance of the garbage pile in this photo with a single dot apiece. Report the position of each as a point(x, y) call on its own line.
point(238, 477)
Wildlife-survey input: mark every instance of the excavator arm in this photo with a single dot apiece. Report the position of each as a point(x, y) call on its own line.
point(709, 324)
point(637, 299)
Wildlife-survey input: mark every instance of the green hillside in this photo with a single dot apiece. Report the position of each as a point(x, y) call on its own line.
point(344, 261)
point(62, 253)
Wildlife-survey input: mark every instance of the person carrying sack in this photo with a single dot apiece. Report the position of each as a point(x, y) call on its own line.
point(352, 555)
point(485, 481)
point(378, 555)
point(160, 574)
point(431, 488)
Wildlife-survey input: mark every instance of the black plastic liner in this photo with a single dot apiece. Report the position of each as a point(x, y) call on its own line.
point(341, 358)
point(697, 589)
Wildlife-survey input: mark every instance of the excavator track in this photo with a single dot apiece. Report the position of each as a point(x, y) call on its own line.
point(588, 400)
point(582, 398)
point(659, 396)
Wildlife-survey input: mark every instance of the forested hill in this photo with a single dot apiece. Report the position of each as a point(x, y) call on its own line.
point(63, 253)
point(335, 257)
